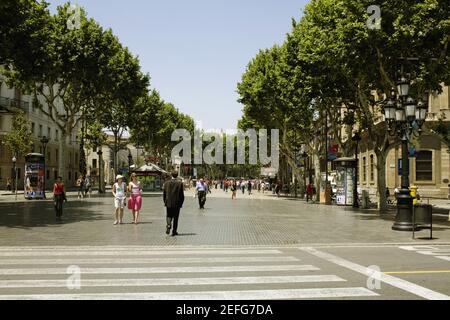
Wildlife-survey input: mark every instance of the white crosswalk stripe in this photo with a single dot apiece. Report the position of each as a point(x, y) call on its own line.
point(110, 273)
point(440, 252)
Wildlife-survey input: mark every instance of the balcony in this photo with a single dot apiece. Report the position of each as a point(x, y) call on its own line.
point(14, 103)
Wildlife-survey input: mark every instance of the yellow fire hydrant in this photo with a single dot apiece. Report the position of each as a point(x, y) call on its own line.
point(413, 190)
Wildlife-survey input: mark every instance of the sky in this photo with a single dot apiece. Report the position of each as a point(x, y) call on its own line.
point(196, 50)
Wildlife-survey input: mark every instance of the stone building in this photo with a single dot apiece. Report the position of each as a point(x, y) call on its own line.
point(11, 100)
point(429, 163)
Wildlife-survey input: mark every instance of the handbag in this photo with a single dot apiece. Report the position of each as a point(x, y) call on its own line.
point(130, 204)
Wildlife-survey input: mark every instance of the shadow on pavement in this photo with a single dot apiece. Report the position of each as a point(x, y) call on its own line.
point(26, 215)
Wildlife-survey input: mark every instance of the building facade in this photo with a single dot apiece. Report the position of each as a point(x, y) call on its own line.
point(429, 163)
point(11, 100)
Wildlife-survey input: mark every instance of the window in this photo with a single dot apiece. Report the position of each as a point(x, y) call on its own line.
point(57, 155)
point(424, 166)
point(372, 168)
point(56, 174)
point(48, 155)
point(70, 159)
point(33, 128)
point(56, 134)
point(40, 131)
point(48, 175)
point(364, 168)
point(94, 163)
point(49, 133)
point(19, 173)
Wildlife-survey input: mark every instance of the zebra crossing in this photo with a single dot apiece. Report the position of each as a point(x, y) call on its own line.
point(439, 252)
point(146, 273)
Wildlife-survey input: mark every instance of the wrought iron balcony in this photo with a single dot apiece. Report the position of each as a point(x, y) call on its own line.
point(14, 103)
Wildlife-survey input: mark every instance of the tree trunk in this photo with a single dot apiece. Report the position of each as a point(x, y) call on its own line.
point(317, 177)
point(62, 156)
point(381, 180)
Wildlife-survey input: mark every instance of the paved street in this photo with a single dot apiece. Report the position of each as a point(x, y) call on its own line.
point(257, 247)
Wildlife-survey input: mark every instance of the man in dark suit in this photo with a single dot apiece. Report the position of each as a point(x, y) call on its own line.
point(173, 200)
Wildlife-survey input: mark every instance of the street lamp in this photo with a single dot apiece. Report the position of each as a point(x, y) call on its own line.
point(356, 138)
point(100, 169)
point(130, 159)
point(14, 160)
point(44, 142)
point(407, 122)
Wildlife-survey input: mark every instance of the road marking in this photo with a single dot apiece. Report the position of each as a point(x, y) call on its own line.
point(393, 281)
point(69, 261)
point(416, 248)
point(161, 270)
point(443, 258)
point(284, 294)
point(97, 252)
point(435, 253)
point(169, 281)
point(418, 272)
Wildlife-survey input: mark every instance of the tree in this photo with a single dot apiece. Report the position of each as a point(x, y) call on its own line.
point(154, 127)
point(125, 87)
point(18, 138)
point(23, 30)
point(71, 74)
point(274, 97)
point(336, 42)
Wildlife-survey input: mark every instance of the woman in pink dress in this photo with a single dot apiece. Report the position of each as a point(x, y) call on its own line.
point(135, 202)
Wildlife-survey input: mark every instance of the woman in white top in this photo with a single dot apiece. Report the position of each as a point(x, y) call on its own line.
point(119, 193)
point(135, 203)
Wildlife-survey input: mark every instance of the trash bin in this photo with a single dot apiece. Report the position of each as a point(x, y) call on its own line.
point(423, 218)
point(423, 215)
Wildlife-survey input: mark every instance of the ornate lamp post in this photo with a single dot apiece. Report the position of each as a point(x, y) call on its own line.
point(44, 142)
point(405, 118)
point(130, 159)
point(356, 138)
point(100, 169)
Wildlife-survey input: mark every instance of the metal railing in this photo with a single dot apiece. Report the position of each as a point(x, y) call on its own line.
point(14, 103)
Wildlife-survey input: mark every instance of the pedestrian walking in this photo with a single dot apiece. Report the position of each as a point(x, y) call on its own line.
point(119, 194)
point(59, 196)
point(87, 186)
point(8, 184)
point(249, 187)
point(201, 189)
point(233, 190)
point(135, 201)
point(80, 185)
point(309, 192)
point(173, 197)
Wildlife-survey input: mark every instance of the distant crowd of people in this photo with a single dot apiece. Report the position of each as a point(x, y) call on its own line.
point(84, 185)
point(130, 195)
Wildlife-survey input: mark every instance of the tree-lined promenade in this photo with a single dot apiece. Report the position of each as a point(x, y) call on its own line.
point(80, 75)
point(337, 67)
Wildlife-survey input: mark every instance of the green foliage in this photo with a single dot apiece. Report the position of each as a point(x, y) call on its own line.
point(18, 138)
